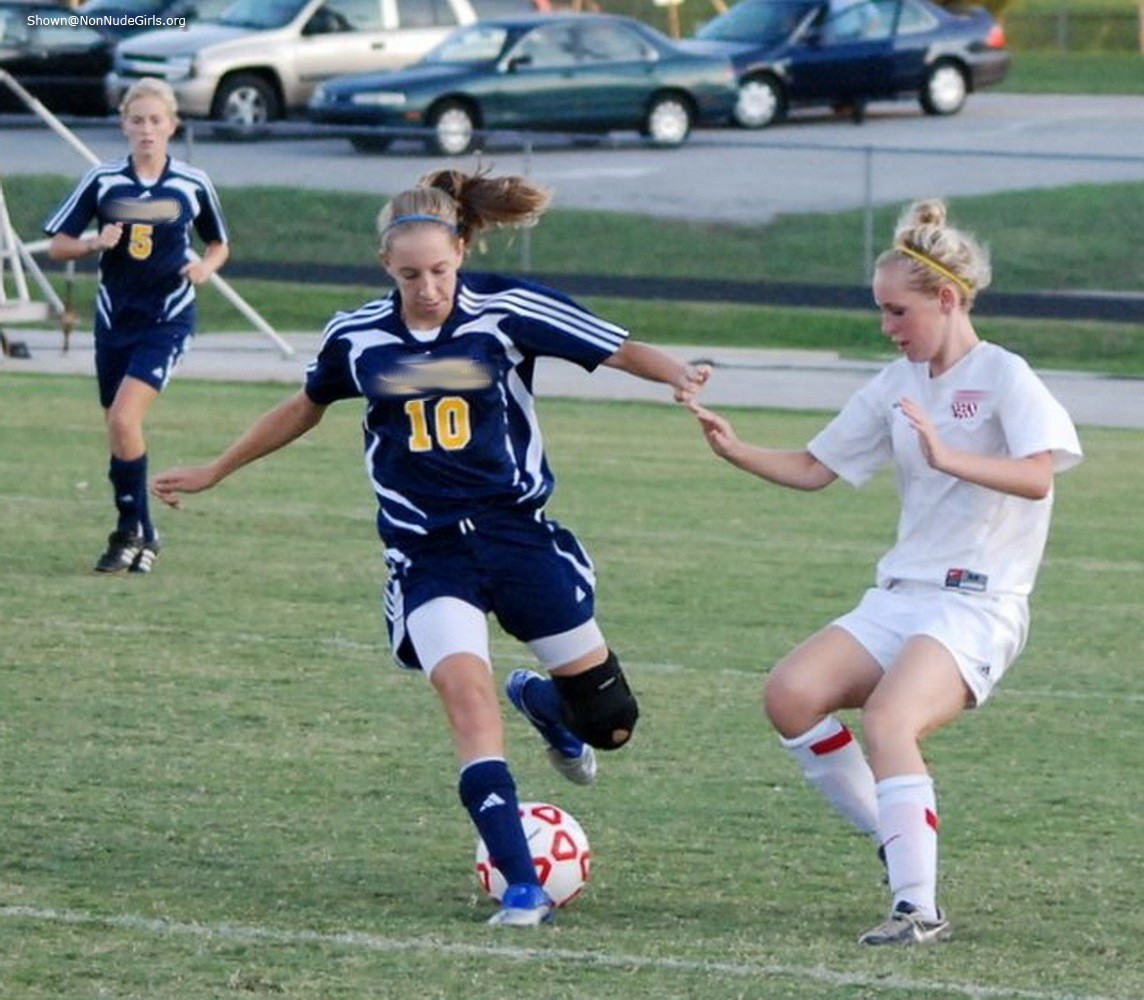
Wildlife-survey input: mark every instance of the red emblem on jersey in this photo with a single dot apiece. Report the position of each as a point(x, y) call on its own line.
point(965, 403)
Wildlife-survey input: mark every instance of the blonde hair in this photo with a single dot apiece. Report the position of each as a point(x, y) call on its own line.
point(466, 204)
point(151, 86)
point(934, 253)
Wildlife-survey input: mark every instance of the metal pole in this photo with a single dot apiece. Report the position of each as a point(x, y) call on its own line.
point(68, 136)
point(868, 211)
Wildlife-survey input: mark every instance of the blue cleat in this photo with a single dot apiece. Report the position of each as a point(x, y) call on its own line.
point(523, 905)
point(569, 754)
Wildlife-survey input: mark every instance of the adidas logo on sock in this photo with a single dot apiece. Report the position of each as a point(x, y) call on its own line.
point(491, 802)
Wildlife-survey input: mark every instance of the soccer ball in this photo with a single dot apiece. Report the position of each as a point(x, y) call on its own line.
point(560, 852)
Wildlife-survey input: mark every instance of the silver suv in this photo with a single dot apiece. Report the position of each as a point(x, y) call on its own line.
point(262, 59)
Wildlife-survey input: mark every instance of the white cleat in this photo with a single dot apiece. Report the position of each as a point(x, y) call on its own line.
point(579, 770)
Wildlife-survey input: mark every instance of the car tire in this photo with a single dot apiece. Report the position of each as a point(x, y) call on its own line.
point(454, 127)
point(370, 143)
point(668, 121)
point(761, 102)
point(944, 89)
point(245, 101)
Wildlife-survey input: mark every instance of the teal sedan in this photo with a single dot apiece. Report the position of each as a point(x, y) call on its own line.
point(574, 73)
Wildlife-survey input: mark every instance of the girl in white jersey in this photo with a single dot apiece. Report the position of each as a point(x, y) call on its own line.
point(975, 438)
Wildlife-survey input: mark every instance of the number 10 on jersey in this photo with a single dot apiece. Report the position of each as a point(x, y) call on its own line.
point(444, 422)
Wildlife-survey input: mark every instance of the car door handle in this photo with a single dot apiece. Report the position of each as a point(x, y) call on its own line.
point(378, 45)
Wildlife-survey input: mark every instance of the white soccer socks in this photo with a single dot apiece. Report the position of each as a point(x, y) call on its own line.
point(832, 760)
point(907, 828)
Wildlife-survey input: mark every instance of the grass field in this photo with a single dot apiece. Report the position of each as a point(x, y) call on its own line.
point(216, 786)
point(1080, 237)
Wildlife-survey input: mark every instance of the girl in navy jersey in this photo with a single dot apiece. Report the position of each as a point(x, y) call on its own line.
point(144, 206)
point(975, 439)
point(445, 364)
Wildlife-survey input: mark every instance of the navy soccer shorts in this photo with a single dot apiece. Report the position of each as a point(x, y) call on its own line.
point(524, 568)
point(150, 357)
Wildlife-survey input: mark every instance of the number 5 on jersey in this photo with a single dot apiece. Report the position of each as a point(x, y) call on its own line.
point(450, 423)
point(140, 243)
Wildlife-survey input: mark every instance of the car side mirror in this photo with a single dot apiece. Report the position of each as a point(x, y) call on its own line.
point(517, 61)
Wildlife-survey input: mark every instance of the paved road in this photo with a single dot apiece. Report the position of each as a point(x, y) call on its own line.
point(813, 163)
point(795, 380)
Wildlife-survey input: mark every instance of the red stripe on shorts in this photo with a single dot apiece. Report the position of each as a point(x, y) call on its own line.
point(832, 743)
point(931, 820)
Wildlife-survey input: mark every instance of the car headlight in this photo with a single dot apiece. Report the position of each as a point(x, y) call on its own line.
point(319, 96)
point(179, 68)
point(379, 99)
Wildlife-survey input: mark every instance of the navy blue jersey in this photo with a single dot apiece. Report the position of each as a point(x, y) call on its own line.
point(450, 423)
point(139, 281)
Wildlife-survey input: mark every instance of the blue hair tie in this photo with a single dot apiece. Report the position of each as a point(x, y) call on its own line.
point(401, 220)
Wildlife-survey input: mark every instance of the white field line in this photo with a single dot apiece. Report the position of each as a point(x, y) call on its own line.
point(516, 656)
point(361, 941)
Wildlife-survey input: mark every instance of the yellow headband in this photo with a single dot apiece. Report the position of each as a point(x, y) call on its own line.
point(933, 265)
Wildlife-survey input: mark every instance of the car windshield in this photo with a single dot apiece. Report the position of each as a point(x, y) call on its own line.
point(756, 21)
point(261, 13)
point(477, 44)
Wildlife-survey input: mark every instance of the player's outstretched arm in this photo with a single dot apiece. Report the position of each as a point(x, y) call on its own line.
point(644, 361)
point(799, 470)
point(271, 431)
point(1030, 477)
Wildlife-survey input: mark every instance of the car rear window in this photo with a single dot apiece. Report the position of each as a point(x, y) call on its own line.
point(756, 21)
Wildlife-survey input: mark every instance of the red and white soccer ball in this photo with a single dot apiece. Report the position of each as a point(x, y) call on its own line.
point(560, 852)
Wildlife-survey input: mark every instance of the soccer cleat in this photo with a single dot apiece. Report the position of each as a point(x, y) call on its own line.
point(905, 926)
point(579, 770)
point(569, 754)
point(145, 559)
point(122, 549)
point(523, 905)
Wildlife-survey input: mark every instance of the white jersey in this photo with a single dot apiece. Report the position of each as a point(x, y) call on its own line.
point(952, 533)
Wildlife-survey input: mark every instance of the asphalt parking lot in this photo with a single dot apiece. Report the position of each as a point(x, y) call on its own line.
point(815, 162)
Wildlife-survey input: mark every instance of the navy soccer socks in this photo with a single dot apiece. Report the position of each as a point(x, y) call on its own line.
point(129, 483)
point(489, 794)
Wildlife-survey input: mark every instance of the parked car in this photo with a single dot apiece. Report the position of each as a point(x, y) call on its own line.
point(570, 72)
point(847, 52)
point(122, 18)
point(60, 64)
point(261, 59)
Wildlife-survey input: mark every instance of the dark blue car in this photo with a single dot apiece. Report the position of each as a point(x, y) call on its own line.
point(571, 72)
point(844, 53)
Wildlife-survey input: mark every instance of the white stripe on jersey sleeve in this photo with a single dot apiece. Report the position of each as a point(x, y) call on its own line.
point(367, 316)
point(203, 183)
point(114, 171)
point(567, 318)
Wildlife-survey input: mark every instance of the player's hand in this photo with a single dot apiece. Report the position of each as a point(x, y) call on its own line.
point(110, 235)
point(717, 430)
point(196, 272)
point(693, 378)
point(189, 479)
point(931, 445)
